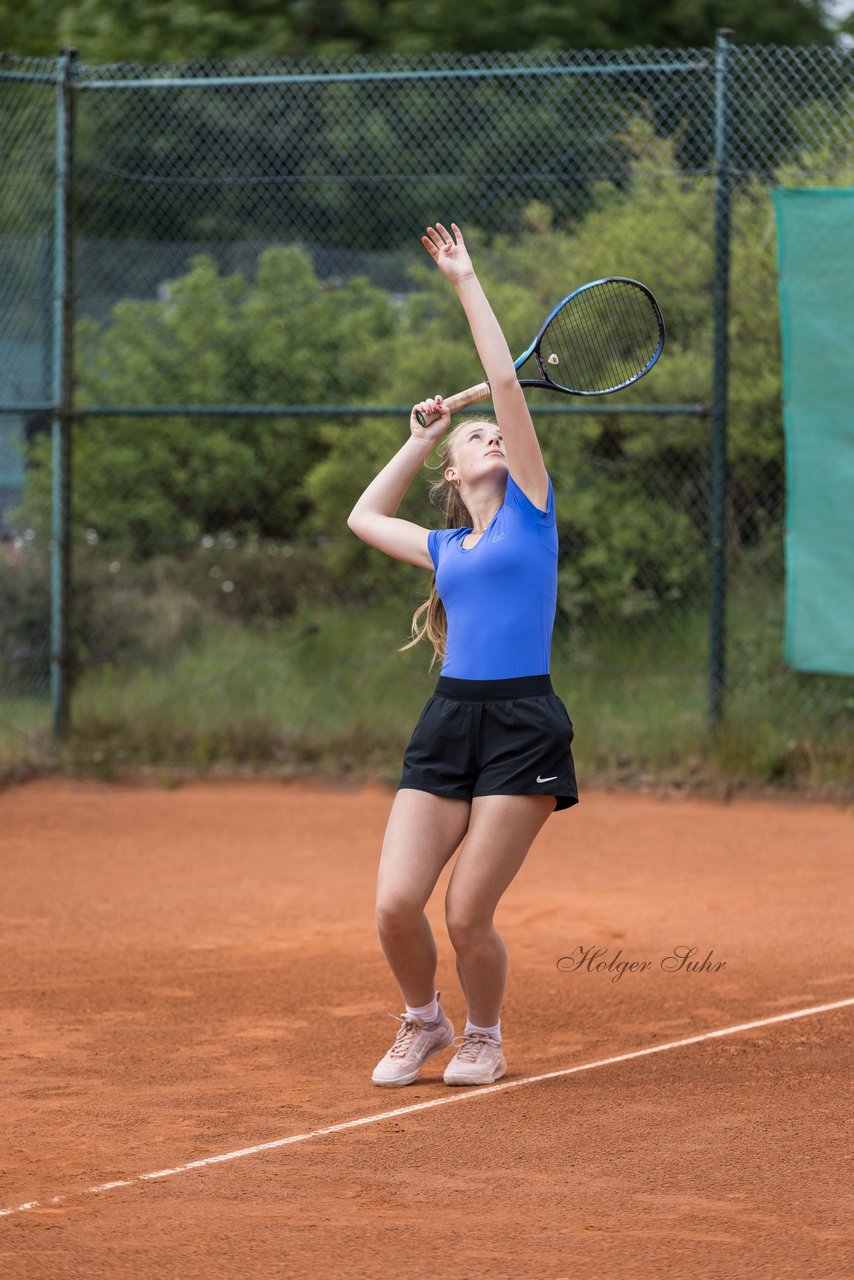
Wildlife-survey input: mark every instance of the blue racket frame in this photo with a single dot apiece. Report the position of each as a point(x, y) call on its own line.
point(549, 382)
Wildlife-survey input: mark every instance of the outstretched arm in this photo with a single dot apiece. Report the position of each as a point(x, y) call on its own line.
point(525, 460)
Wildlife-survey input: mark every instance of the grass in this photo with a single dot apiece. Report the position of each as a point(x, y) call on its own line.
point(342, 699)
point(26, 744)
point(253, 695)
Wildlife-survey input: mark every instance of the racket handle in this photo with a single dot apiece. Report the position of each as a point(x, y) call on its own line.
point(460, 401)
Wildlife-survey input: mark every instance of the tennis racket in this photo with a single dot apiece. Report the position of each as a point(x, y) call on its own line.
point(604, 336)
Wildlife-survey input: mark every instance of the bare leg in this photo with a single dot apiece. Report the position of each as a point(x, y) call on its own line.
point(422, 833)
point(462, 977)
point(500, 833)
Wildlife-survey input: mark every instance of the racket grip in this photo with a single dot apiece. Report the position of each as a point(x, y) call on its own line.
point(460, 401)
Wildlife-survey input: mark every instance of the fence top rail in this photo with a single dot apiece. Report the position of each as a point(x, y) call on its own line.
point(29, 77)
point(351, 77)
point(399, 67)
point(31, 70)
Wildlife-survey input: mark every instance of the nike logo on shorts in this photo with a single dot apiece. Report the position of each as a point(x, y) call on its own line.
point(552, 779)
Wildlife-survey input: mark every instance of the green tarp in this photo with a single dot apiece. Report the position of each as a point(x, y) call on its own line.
point(815, 247)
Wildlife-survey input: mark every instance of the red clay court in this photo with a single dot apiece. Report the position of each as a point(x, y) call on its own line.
point(194, 989)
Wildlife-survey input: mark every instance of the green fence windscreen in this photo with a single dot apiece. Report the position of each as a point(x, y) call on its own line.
point(815, 237)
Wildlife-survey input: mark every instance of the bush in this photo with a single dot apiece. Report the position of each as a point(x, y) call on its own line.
point(125, 612)
point(25, 621)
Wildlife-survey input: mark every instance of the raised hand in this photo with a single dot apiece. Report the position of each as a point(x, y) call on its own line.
point(436, 426)
point(448, 251)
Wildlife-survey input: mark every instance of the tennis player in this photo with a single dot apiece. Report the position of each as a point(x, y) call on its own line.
point(490, 756)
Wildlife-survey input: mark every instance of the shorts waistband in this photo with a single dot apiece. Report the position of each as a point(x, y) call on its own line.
point(489, 690)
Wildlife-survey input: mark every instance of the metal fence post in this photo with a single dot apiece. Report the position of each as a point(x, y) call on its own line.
point(61, 393)
point(720, 376)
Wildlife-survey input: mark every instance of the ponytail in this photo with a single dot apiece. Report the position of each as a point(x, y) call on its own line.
point(430, 619)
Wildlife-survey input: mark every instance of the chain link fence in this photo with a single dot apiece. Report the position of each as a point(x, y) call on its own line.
point(252, 316)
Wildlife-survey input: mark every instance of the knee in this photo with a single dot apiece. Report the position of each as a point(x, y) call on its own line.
point(397, 914)
point(466, 926)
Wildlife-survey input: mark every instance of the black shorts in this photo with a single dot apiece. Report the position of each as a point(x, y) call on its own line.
point(493, 738)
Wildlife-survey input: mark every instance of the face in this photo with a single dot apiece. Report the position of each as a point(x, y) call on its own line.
point(478, 451)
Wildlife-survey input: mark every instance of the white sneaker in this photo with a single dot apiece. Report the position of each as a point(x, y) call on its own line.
point(478, 1060)
point(416, 1041)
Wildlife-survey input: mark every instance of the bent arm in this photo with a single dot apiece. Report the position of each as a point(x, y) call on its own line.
point(373, 517)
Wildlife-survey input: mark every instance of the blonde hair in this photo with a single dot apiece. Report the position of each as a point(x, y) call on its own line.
point(457, 516)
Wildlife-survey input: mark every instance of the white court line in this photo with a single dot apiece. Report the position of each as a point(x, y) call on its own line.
point(475, 1092)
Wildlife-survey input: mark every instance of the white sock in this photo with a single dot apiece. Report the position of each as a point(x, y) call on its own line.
point(495, 1031)
point(426, 1012)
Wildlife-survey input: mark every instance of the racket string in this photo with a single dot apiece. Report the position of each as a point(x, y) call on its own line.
point(620, 369)
point(604, 338)
point(577, 351)
point(581, 360)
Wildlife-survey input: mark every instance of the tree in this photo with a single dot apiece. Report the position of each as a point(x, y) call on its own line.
point(632, 492)
point(150, 484)
point(157, 31)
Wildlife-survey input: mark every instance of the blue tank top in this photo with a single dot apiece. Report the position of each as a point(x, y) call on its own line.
point(499, 595)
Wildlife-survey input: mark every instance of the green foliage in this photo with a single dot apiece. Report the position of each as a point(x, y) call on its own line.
point(632, 492)
point(161, 31)
point(352, 160)
point(830, 163)
point(148, 485)
point(147, 613)
point(25, 625)
point(349, 164)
